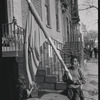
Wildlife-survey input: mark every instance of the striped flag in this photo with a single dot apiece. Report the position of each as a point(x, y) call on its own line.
point(34, 38)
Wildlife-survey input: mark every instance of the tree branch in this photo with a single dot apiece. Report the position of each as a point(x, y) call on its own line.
point(90, 7)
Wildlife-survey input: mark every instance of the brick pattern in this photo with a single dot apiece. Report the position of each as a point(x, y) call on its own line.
point(50, 86)
point(61, 86)
point(46, 81)
point(40, 79)
point(74, 47)
point(24, 12)
point(17, 11)
point(43, 78)
point(51, 79)
point(36, 3)
point(21, 68)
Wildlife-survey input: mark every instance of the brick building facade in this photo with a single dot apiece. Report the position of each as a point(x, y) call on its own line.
point(60, 18)
point(19, 9)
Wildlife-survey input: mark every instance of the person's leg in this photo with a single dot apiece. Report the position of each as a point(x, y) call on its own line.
point(76, 96)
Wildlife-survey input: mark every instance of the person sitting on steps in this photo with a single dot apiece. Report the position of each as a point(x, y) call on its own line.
point(74, 90)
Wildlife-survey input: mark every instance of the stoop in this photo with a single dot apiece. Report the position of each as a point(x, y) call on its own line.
point(60, 86)
point(47, 81)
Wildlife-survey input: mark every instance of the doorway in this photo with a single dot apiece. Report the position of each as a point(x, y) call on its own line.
point(9, 78)
point(3, 19)
point(3, 12)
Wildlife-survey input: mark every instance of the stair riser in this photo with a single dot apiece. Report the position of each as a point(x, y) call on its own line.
point(50, 86)
point(51, 79)
point(60, 86)
point(43, 72)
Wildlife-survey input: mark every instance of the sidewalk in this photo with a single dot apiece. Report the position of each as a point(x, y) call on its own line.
point(91, 87)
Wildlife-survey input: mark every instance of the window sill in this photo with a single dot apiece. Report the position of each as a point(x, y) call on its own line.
point(48, 26)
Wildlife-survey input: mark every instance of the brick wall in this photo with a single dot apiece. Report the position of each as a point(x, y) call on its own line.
point(24, 6)
point(17, 11)
point(76, 48)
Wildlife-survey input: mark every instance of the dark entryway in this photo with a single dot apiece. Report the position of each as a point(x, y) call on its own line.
point(3, 19)
point(9, 78)
point(3, 12)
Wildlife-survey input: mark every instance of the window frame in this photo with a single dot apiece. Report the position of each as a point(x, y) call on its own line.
point(57, 15)
point(47, 9)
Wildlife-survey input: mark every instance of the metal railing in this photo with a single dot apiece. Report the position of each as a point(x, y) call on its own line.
point(12, 37)
point(50, 61)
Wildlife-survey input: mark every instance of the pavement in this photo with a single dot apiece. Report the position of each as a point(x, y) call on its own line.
point(90, 89)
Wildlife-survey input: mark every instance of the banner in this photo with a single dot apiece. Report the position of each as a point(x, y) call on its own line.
point(34, 38)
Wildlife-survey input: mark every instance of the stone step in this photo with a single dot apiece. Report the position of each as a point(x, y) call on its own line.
point(43, 72)
point(49, 82)
point(47, 79)
point(60, 86)
point(51, 79)
point(52, 86)
point(40, 79)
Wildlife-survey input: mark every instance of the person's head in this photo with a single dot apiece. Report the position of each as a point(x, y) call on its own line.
point(74, 61)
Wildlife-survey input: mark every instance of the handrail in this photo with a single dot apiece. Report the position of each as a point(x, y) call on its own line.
point(40, 23)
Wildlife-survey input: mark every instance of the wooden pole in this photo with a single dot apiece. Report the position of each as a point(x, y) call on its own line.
point(42, 26)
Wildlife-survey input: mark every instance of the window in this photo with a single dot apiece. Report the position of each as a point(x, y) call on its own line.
point(57, 15)
point(47, 11)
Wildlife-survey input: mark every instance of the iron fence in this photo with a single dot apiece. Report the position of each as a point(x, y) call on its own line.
point(12, 38)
